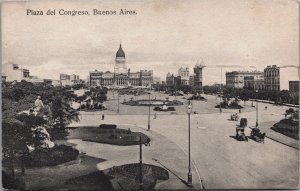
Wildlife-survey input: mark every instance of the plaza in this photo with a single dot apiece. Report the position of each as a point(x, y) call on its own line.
point(218, 160)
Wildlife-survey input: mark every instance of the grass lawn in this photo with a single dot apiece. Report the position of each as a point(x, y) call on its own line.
point(127, 176)
point(93, 181)
point(116, 136)
point(61, 176)
point(287, 129)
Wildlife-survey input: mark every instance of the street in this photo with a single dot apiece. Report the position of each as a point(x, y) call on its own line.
point(218, 159)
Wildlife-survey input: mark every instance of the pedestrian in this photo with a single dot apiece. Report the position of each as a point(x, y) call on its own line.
point(240, 111)
point(102, 116)
point(38, 104)
point(266, 107)
point(154, 116)
point(148, 141)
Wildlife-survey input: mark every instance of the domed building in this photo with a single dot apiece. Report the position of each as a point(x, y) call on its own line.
point(121, 77)
point(120, 66)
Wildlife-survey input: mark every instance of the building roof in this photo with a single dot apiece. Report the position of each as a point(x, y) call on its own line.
point(245, 72)
point(120, 52)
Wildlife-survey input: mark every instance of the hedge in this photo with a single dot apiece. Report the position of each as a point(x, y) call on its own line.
point(51, 156)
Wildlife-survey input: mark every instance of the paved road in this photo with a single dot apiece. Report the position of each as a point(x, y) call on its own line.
point(221, 161)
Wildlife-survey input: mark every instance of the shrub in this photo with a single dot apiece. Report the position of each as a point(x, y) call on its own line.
point(289, 122)
point(51, 156)
point(289, 111)
point(108, 126)
point(9, 182)
point(83, 106)
point(57, 133)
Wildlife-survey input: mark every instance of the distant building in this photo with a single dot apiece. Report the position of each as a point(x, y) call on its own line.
point(14, 72)
point(184, 74)
point(247, 79)
point(170, 79)
point(156, 80)
point(191, 80)
point(69, 80)
point(55, 83)
point(3, 77)
point(272, 78)
point(35, 79)
point(198, 75)
point(121, 77)
point(294, 86)
point(184, 77)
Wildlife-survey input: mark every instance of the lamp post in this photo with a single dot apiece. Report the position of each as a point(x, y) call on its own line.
point(221, 91)
point(118, 102)
point(149, 112)
point(256, 124)
point(141, 165)
point(189, 111)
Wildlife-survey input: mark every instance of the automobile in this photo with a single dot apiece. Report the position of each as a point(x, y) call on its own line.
point(234, 117)
point(257, 135)
point(240, 134)
point(243, 122)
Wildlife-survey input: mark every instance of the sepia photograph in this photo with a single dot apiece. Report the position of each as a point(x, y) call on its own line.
point(150, 95)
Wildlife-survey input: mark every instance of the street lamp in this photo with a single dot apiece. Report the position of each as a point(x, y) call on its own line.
point(118, 102)
point(256, 124)
point(149, 112)
point(189, 111)
point(141, 165)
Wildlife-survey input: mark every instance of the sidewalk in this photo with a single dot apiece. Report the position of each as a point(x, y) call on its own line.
point(160, 146)
point(266, 127)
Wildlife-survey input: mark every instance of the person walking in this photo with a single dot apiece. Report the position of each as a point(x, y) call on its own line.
point(102, 116)
point(148, 142)
point(154, 116)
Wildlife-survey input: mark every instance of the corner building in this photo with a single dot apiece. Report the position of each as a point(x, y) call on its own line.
point(272, 78)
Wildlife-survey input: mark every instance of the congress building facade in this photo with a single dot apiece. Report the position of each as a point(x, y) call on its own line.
point(121, 77)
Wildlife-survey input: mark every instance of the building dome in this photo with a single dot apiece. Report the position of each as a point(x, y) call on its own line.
point(120, 52)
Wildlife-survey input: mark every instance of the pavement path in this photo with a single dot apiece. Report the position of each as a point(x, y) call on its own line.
point(281, 138)
point(175, 159)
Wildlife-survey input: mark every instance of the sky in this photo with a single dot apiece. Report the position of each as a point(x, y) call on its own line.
point(162, 36)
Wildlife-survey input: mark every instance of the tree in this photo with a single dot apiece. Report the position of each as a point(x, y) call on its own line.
point(18, 134)
point(62, 113)
point(21, 131)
